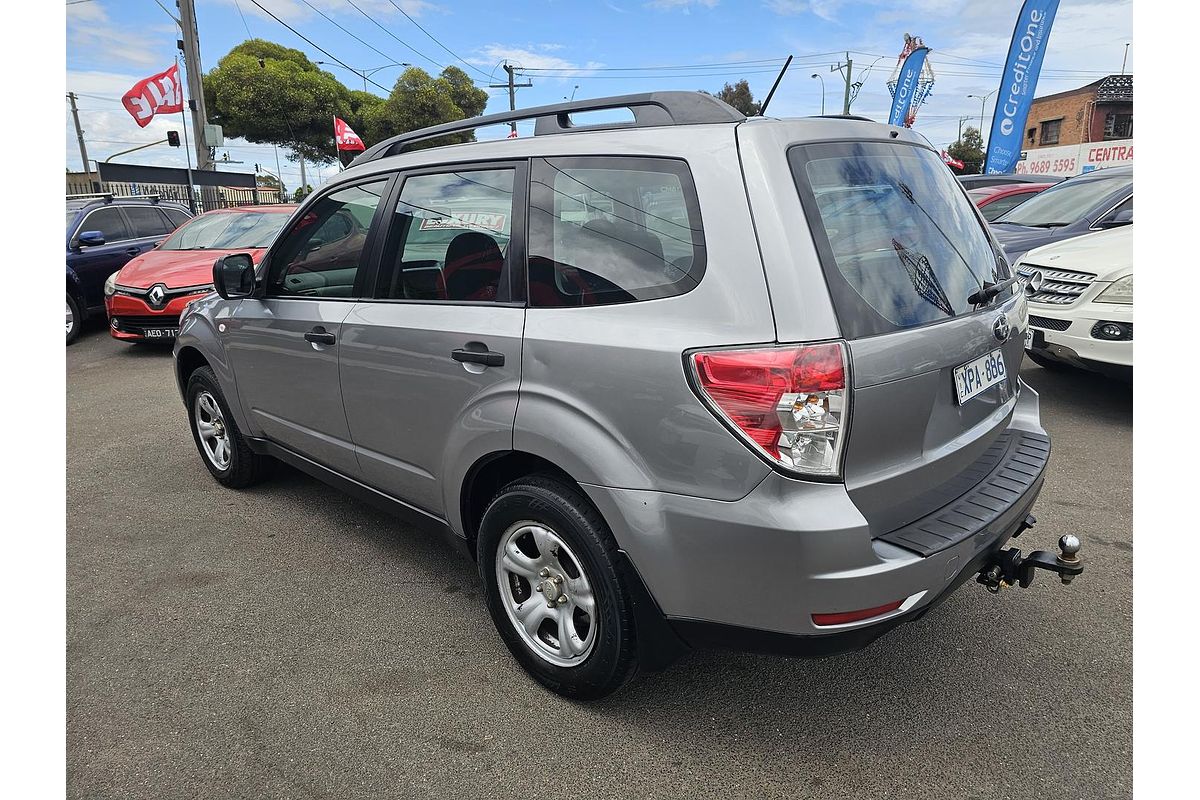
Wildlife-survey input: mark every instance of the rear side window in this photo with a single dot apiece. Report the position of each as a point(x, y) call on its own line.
point(146, 221)
point(899, 240)
point(612, 230)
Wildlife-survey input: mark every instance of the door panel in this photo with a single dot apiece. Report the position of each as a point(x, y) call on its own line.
point(411, 407)
point(289, 385)
point(93, 265)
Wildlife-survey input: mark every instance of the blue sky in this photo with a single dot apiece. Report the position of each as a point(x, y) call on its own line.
point(604, 48)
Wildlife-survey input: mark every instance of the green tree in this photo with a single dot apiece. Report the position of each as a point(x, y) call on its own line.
point(740, 97)
point(969, 150)
point(301, 193)
point(419, 100)
point(267, 93)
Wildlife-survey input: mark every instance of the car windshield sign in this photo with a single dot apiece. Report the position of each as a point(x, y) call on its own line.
point(227, 231)
point(1063, 204)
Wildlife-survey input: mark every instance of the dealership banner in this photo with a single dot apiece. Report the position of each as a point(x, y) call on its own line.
point(158, 94)
point(906, 86)
point(1018, 83)
point(1076, 159)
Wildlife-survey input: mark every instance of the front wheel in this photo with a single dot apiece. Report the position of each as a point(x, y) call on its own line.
point(549, 566)
point(221, 445)
point(74, 319)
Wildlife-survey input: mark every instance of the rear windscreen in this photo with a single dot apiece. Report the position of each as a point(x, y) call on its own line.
point(901, 243)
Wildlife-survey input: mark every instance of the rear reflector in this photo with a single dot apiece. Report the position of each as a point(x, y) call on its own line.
point(843, 617)
point(789, 402)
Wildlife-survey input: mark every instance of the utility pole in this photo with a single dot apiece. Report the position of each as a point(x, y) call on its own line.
point(82, 147)
point(512, 87)
point(961, 120)
point(303, 180)
point(848, 76)
point(190, 45)
point(1125, 57)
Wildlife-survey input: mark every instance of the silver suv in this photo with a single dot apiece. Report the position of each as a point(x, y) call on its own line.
point(682, 380)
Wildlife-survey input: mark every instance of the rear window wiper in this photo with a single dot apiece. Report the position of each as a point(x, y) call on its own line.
point(990, 290)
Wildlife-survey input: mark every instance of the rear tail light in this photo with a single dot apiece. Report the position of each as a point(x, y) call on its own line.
point(790, 403)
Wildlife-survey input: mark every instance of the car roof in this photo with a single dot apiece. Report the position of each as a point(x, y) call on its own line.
point(81, 203)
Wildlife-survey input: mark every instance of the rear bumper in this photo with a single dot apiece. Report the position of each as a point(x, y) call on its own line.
point(753, 572)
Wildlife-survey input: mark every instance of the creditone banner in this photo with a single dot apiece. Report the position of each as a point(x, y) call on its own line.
point(906, 86)
point(1018, 83)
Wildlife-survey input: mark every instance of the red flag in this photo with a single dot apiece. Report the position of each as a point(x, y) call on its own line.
point(951, 161)
point(345, 136)
point(158, 94)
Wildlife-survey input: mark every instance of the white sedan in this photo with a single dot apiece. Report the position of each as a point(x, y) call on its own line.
point(1081, 302)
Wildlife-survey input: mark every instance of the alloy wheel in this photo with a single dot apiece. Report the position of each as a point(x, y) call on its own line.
point(214, 436)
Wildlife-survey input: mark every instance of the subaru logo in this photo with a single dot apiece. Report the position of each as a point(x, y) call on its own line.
point(157, 294)
point(1001, 328)
point(1033, 284)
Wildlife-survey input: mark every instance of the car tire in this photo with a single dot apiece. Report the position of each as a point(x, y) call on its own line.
point(222, 447)
point(599, 657)
point(74, 319)
point(1047, 363)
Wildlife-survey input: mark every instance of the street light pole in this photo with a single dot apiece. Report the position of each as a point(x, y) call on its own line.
point(821, 78)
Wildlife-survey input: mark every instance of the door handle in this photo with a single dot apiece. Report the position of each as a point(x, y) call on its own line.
point(488, 358)
point(319, 335)
point(133, 251)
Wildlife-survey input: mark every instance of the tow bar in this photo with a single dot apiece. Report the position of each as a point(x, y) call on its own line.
point(1009, 567)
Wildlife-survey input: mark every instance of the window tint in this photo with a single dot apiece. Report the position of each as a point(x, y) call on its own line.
point(108, 221)
point(612, 230)
point(998, 207)
point(449, 237)
point(897, 233)
point(321, 253)
point(145, 221)
point(177, 218)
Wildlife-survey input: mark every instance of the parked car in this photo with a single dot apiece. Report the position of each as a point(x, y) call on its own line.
point(1081, 303)
point(1085, 203)
point(103, 233)
point(982, 181)
point(144, 299)
point(623, 386)
point(994, 201)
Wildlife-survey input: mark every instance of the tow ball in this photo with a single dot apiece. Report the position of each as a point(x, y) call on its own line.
point(1009, 567)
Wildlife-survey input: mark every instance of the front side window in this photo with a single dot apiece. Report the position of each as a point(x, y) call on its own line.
point(898, 236)
point(227, 230)
point(449, 237)
point(321, 254)
point(612, 230)
point(108, 221)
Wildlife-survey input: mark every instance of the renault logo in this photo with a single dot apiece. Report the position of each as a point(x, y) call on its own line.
point(1001, 328)
point(1033, 284)
point(157, 294)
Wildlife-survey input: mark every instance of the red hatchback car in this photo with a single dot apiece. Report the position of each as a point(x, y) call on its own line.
point(145, 298)
point(993, 201)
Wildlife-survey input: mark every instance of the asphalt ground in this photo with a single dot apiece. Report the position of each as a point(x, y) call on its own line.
point(289, 642)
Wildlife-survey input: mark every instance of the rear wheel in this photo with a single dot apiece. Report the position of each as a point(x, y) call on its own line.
point(221, 445)
point(548, 564)
point(74, 319)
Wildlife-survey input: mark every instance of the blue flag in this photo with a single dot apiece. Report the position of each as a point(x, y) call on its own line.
point(906, 86)
point(1018, 83)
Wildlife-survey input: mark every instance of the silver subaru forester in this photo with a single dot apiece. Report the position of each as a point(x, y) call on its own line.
point(682, 379)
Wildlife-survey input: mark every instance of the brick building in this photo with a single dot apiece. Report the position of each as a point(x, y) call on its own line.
point(1099, 112)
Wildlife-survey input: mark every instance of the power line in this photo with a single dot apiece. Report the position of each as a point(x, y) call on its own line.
point(439, 44)
point(313, 44)
point(394, 36)
point(670, 67)
point(348, 33)
point(243, 16)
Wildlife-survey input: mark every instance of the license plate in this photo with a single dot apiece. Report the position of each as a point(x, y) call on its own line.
point(160, 333)
point(974, 377)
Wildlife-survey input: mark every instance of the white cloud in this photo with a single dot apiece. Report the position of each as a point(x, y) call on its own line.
point(825, 9)
point(685, 5)
point(531, 56)
point(89, 30)
point(292, 11)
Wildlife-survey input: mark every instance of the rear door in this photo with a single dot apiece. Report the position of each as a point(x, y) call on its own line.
point(285, 343)
point(902, 248)
point(431, 363)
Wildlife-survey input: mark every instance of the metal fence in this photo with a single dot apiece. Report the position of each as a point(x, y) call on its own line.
point(206, 198)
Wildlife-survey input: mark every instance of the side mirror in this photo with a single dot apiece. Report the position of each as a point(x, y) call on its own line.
point(91, 238)
point(233, 275)
point(1123, 217)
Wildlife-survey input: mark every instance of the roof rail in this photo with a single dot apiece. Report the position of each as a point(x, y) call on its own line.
point(650, 109)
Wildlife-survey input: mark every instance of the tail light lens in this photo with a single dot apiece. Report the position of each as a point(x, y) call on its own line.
point(790, 403)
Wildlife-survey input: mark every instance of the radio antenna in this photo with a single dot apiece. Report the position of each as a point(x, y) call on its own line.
point(762, 110)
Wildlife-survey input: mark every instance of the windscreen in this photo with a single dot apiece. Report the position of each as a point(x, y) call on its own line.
point(227, 231)
point(1065, 203)
point(901, 243)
